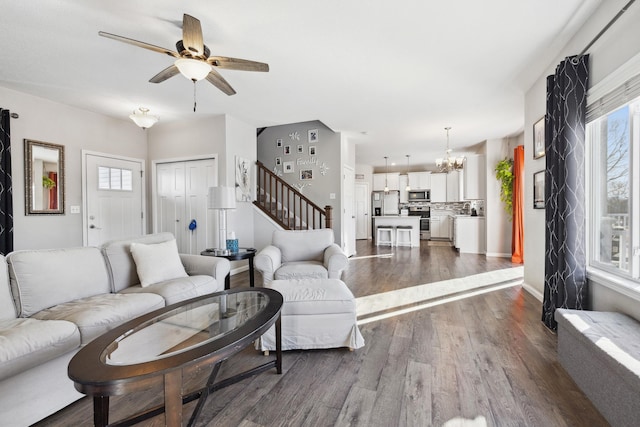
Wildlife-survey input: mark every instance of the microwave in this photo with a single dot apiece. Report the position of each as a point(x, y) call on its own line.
point(420, 195)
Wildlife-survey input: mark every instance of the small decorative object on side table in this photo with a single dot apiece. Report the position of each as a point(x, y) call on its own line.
point(240, 254)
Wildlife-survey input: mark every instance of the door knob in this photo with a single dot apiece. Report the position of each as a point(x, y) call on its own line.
point(93, 226)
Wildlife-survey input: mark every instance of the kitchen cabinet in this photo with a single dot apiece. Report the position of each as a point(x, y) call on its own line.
point(470, 234)
point(404, 195)
point(445, 187)
point(392, 179)
point(453, 186)
point(438, 187)
point(420, 180)
point(440, 225)
point(475, 178)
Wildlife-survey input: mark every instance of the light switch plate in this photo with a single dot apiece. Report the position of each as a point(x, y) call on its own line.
point(75, 209)
point(332, 196)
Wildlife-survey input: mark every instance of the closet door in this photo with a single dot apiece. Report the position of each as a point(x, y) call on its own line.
point(181, 197)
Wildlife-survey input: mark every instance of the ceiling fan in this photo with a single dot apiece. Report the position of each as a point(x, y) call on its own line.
point(193, 58)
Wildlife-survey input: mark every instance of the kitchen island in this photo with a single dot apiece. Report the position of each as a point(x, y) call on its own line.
point(396, 220)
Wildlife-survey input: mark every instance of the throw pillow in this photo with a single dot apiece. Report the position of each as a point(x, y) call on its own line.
point(157, 262)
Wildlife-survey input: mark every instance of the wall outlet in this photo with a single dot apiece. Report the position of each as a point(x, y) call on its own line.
point(75, 209)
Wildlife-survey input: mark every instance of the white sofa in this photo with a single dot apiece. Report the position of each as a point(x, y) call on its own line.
point(301, 254)
point(54, 301)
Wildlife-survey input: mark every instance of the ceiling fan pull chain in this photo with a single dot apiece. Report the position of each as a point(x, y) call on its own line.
point(194, 96)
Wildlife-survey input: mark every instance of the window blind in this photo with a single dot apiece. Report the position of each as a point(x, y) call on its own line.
point(616, 98)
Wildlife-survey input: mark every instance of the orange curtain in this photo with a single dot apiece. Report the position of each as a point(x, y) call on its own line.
point(53, 192)
point(517, 232)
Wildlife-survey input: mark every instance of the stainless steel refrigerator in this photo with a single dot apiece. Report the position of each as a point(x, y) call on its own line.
point(385, 203)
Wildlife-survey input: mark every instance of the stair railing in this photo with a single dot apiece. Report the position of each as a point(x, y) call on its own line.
point(286, 205)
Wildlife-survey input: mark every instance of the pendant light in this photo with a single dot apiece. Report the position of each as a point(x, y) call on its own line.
point(386, 175)
point(408, 188)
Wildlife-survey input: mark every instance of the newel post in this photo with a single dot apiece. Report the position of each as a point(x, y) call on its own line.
point(328, 219)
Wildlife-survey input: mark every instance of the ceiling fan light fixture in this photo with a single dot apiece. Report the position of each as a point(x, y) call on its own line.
point(193, 69)
point(143, 119)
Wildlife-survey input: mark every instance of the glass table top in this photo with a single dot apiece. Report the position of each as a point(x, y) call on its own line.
point(184, 328)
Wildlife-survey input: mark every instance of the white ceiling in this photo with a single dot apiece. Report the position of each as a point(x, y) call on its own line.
point(391, 75)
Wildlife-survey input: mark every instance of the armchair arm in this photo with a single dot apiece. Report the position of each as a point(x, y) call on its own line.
point(335, 260)
point(267, 261)
point(206, 265)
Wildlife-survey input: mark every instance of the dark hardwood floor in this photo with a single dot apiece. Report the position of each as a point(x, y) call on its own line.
point(483, 356)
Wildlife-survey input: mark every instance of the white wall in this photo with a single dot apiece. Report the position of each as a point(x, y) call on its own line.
point(223, 137)
point(498, 222)
point(75, 129)
point(615, 47)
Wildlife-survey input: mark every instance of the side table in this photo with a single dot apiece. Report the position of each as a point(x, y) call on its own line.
point(243, 253)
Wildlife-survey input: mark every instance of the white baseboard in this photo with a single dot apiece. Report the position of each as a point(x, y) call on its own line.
point(498, 255)
point(240, 269)
point(533, 291)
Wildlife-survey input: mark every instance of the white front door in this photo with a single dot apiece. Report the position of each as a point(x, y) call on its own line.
point(114, 198)
point(181, 203)
point(349, 217)
point(363, 224)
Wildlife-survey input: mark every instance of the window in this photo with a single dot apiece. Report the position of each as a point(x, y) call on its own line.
point(115, 179)
point(613, 196)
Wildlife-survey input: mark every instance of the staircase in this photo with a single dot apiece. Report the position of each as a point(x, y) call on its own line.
point(287, 206)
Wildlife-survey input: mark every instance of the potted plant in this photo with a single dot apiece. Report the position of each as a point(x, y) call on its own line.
point(504, 174)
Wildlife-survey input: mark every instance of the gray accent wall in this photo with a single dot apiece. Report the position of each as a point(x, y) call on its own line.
point(324, 163)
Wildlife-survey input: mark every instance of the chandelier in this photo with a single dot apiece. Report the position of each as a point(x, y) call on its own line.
point(448, 163)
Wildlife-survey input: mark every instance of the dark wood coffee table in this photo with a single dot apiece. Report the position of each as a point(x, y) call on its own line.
point(155, 348)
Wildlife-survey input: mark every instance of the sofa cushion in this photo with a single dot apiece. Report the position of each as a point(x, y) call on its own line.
point(313, 296)
point(7, 305)
point(157, 262)
point(180, 289)
point(302, 245)
point(120, 263)
point(98, 314)
point(300, 270)
point(25, 343)
point(44, 278)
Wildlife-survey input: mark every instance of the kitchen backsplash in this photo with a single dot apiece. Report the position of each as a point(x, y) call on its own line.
point(457, 207)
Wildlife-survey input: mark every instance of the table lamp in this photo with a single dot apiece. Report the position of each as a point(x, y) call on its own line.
point(222, 199)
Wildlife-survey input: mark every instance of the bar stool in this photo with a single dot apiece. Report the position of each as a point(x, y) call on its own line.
point(404, 235)
point(384, 235)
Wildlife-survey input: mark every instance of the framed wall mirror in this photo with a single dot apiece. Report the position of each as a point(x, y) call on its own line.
point(44, 178)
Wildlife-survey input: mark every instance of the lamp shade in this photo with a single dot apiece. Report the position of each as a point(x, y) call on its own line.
point(222, 198)
point(193, 69)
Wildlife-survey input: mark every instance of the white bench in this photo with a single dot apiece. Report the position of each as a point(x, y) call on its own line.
point(601, 352)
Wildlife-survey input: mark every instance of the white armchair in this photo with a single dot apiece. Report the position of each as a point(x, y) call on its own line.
point(301, 254)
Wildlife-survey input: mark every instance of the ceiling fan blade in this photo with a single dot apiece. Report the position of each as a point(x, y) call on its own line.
point(192, 35)
point(218, 81)
point(237, 64)
point(139, 44)
point(165, 74)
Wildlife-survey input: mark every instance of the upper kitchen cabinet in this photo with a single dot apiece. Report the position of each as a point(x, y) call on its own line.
point(454, 189)
point(420, 180)
point(438, 187)
point(392, 180)
point(445, 187)
point(475, 178)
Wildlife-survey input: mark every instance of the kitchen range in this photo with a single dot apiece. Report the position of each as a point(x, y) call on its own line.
point(424, 212)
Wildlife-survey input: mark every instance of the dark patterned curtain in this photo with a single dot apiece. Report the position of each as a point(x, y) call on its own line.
point(565, 284)
point(6, 193)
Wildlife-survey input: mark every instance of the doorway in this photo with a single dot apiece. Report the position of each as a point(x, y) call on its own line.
point(363, 224)
point(349, 217)
point(113, 197)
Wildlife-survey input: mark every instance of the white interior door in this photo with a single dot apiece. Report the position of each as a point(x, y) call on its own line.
point(349, 217)
point(181, 199)
point(363, 225)
point(114, 198)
